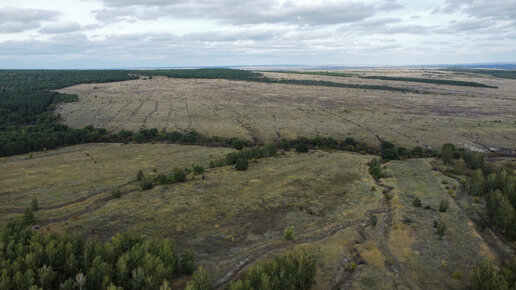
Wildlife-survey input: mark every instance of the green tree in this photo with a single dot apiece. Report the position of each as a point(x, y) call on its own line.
point(478, 183)
point(200, 280)
point(34, 204)
point(444, 204)
point(302, 148)
point(198, 169)
point(417, 202)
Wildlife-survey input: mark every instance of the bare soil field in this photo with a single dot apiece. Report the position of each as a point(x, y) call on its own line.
point(476, 118)
point(233, 218)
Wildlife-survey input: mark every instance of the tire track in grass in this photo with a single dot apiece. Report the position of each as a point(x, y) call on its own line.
point(156, 105)
point(133, 113)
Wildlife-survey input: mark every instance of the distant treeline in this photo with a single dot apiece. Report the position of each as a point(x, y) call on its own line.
point(318, 73)
point(242, 75)
point(497, 73)
point(430, 81)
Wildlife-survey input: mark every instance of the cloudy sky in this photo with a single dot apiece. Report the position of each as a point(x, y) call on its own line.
point(169, 33)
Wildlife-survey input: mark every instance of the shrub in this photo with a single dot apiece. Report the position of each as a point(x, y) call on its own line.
point(390, 154)
point(457, 275)
point(146, 184)
point(28, 216)
point(440, 227)
point(302, 148)
point(237, 144)
point(34, 204)
point(443, 205)
point(289, 233)
point(139, 175)
point(242, 164)
point(285, 145)
point(116, 193)
point(416, 202)
point(352, 266)
point(388, 196)
point(198, 169)
point(179, 176)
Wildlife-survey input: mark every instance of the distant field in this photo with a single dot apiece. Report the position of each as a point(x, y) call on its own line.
point(232, 218)
point(476, 118)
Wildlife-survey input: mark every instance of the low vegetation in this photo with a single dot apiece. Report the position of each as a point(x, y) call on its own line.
point(430, 81)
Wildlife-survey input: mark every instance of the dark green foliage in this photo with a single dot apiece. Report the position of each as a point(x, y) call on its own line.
point(302, 148)
point(179, 176)
point(443, 205)
point(242, 164)
point(237, 144)
point(146, 184)
point(497, 73)
point(268, 150)
point(440, 228)
point(375, 169)
point(294, 271)
point(116, 193)
point(417, 151)
point(417, 202)
point(200, 280)
point(390, 154)
point(68, 261)
point(139, 175)
point(430, 81)
point(289, 233)
point(387, 145)
point(34, 204)
point(198, 169)
point(28, 216)
point(285, 145)
point(187, 262)
point(485, 278)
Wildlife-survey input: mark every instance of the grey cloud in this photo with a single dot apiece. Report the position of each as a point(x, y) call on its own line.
point(493, 9)
point(60, 27)
point(242, 12)
point(18, 20)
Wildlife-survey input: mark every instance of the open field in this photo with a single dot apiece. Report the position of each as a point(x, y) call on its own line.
point(476, 118)
point(233, 218)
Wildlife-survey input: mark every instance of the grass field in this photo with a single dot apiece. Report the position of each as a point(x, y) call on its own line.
point(476, 118)
point(232, 218)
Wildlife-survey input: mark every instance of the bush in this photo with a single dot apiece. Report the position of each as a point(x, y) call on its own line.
point(198, 169)
point(285, 145)
point(302, 148)
point(242, 164)
point(457, 275)
point(139, 175)
point(289, 233)
point(443, 205)
point(34, 204)
point(417, 202)
point(146, 184)
point(390, 154)
point(237, 144)
point(116, 193)
point(440, 228)
point(179, 176)
point(352, 266)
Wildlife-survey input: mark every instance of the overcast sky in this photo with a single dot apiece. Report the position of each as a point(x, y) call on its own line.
point(169, 33)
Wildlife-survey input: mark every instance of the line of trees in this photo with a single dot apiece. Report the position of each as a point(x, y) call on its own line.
point(430, 81)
